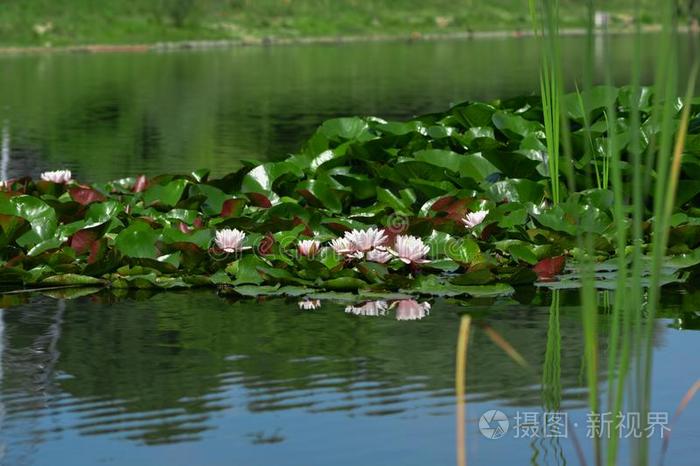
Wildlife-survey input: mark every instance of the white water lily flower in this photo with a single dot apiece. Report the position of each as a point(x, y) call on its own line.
point(356, 243)
point(370, 309)
point(57, 176)
point(365, 240)
point(308, 247)
point(378, 255)
point(411, 249)
point(409, 309)
point(341, 246)
point(230, 240)
point(309, 304)
point(472, 219)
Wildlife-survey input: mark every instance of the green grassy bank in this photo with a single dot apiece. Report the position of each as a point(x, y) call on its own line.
point(77, 22)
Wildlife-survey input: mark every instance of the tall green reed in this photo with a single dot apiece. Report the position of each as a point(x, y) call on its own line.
point(601, 162)
point(551, 85)
point(630, 329)
point(619, 348)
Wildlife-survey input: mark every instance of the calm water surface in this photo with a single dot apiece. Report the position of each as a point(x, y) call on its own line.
point(197, 379)
point(116, 115)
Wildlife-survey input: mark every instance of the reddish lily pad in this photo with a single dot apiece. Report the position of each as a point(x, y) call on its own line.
point(548, 269)
point(84, 195)
point(82, 241)
point(232, 207)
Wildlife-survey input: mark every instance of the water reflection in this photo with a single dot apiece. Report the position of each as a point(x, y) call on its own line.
point(175, 353)
point(5, 152)
point(405, 309)
point(3, 445)
point(309, 304)
point(189, 368)
point(114, 115)
point(370, 309)
point(551, 381)
point(409, 309)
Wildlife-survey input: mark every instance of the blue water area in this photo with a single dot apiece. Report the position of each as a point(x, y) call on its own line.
point(200, 379)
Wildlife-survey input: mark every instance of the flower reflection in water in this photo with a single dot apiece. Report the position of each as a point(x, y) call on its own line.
point(370, 308)
point(309, 304)
point(410, 309)
point(406, 309)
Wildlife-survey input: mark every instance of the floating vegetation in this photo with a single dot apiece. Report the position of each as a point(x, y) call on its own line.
point(451, 204)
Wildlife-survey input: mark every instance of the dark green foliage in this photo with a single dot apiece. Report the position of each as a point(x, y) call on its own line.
point(419, 178)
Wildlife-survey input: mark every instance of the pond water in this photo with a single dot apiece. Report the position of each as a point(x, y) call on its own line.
point(115, 115)
point(197, 379)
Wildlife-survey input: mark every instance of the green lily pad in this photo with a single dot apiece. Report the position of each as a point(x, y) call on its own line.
point(138, 240)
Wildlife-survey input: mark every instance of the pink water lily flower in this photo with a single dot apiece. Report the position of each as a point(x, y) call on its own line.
point(308, 247)
point(57, 176)
point(230, 240)
point(409, 309)
point(309, 304)
point(341, 246)
point(473, 219)
point(378, 255)
point(365, 240)
point(410, 249)
point(370, 309)
point(356, 243)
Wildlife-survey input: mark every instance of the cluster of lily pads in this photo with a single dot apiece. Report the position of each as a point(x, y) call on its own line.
point(447, 204)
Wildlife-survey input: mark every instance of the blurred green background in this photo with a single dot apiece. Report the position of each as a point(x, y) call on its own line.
point(110, 115)
point(72, 22)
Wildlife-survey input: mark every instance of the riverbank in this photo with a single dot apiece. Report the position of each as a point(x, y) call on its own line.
point(272, 40)
point(137, 25)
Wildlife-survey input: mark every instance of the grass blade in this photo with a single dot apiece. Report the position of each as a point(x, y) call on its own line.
point(460, 388)
point(692, 391)
point(505, 346)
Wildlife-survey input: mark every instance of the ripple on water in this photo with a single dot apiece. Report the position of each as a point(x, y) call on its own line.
point(176, 368)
